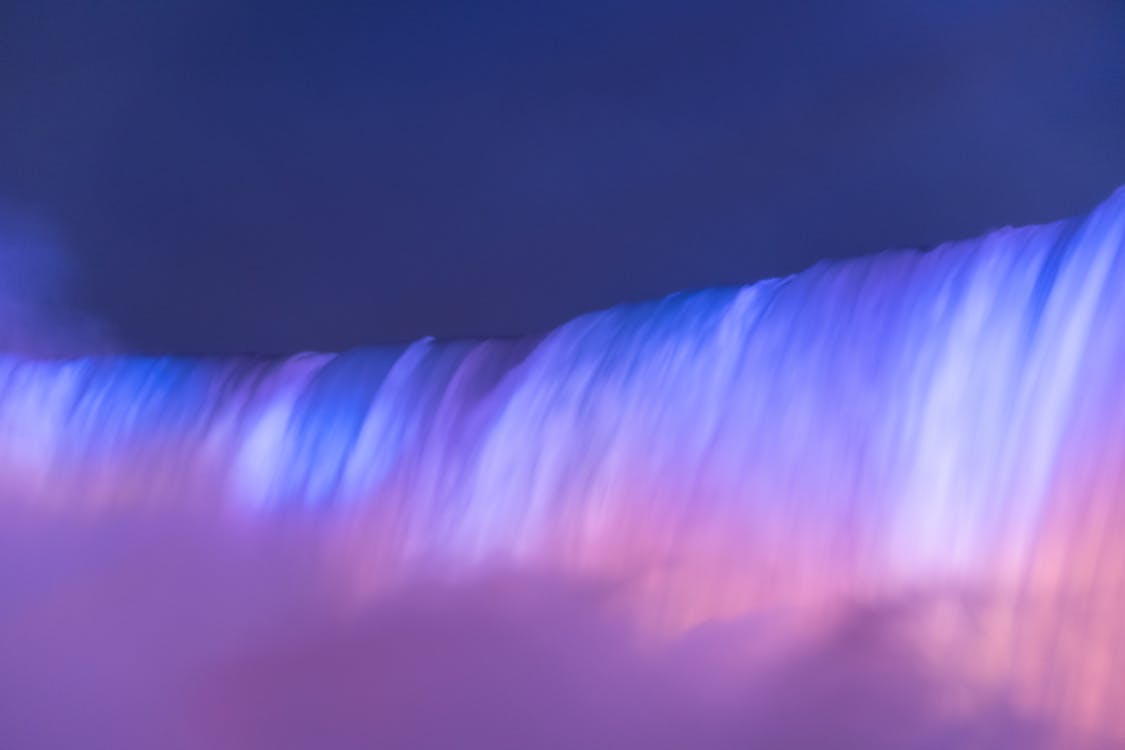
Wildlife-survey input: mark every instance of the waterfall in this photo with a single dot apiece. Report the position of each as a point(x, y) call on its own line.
point(949, 419)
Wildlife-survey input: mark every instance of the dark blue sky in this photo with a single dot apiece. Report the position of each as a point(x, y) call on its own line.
point(239, 176)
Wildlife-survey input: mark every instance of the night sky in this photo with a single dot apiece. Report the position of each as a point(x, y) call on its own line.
point(230, 176)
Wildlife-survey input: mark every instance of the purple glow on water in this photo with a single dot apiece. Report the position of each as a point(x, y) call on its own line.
point(896, 478)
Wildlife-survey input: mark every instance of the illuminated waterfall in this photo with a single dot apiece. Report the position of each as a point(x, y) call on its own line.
point(945, 419)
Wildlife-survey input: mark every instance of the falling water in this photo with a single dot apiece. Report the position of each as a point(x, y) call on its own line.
point(944, 421)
